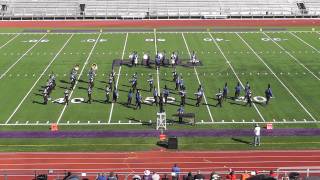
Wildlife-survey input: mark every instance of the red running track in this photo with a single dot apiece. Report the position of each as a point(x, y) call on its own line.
point(160, 161)
point(162, 23)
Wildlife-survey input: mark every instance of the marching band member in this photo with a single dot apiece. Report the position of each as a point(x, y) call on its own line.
point(225, 91)
point(237, 91)
point(107, 91)
point(138, 100)
point(155, 96)
point(150, 81)
point(89, 94)
point(248, 96)
point(66, 97)
point(173, 59)
point(193, 58)
point(219, 96)
point(268, 93)
point(130, 95)
point(199, 95)
point(183, 97)
point(165, 94)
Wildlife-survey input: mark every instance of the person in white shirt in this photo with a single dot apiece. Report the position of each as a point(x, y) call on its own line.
point(155, 176)
point(257, 135)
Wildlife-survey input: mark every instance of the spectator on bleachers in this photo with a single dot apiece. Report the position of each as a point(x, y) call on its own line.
point(147, 175)
point(188, 177)
point(174, 176)
point(245, 175)
point(199, 176)
point(136, 177)
point(101, 176)
point(155, 176)
point(214, 176)
point(231, 176)
point(176, 170)
point(112, 176)
point(67, 176)
point(165, 177)
point(273, 174)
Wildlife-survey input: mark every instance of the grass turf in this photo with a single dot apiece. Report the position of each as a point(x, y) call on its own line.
point(295, 66)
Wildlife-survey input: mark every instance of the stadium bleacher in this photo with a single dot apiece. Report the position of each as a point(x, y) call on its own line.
point(159, 8)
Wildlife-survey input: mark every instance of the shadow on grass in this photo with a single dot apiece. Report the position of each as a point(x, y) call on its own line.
point(241, 141)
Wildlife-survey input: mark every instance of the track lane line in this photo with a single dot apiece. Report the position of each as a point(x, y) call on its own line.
point(234, 72)
point(123, 52)
point(195, 70)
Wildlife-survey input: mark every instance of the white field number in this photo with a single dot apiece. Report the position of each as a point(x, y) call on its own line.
point(94, 40)
point(150, 100)
point(216, 39)
point(74, 100)
point(258, 99)
point(274, 39)
point(36, 40)
point(152, 40)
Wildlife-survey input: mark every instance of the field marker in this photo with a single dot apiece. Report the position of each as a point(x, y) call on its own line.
point(21, 57)
point(9, 40)
point(299, 62)
point(195, 70)
point(30, 90)
point(234, 72)
point(305, 42)
point(84, 65)
point(277, 77)
point(123, 53)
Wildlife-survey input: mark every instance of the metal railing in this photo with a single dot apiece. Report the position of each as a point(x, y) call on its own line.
point(178, 13)
point(282, 173)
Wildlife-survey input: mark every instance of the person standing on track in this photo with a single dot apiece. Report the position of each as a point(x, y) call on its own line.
point(257, 130)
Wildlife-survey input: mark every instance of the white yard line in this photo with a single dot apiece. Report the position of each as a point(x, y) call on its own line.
point(25, 97)
point(234, 72)
point(195, 70)
point(292, 57)
point(123, 52)
point(156, 50)
point(84, 65)
point(304, 42)
point(278, 78)
point(21, 57)
point(10, 41)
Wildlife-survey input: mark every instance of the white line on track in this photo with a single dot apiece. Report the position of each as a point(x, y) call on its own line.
point(84, 65)
point(21, 57)
point(304, 42)
point(195, 71)
point(10, 41)
point(234, 72)
point(156, 51)
point(294, 58)
point(25, 97)
point(277, 78)
point(123, 52)
point(155, 163)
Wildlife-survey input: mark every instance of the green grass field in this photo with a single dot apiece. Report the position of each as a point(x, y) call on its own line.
point(288, 60)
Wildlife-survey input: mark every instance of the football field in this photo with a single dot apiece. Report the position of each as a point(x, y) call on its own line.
point(287, 60)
